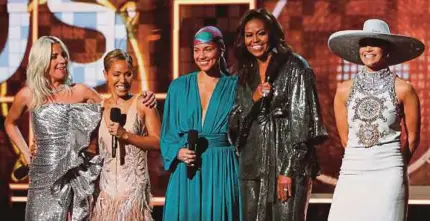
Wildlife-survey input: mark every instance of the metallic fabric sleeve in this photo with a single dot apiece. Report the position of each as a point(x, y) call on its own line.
point(293, 122)
point(234, 124)
point(62, 172)
point(235, 119)
point(80, 171)
point(307, 128)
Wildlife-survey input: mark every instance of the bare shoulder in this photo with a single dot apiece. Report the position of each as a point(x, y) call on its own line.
point(24, 95)
point(80, 88)
point(344, 87)
point(25, 92)
point(403, 85)
point(87, 93)
point(22, 100)
point(342, 91)
point(403, 88)
point(142, 108)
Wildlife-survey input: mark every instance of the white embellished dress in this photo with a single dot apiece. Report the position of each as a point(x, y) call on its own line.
point(124, 181)
point(372, 184)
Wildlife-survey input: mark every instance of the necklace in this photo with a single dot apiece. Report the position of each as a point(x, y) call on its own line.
point(121, 105)
point(373, 83)
point(58, 89)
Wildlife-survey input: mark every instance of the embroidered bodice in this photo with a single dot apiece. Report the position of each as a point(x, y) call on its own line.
point(373, 110)
point(127, 171)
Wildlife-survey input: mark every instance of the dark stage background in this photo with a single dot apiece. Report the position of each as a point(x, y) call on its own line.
point(159, 33)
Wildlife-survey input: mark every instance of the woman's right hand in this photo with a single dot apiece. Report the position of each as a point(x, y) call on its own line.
point(261, 91)
point(187, 156)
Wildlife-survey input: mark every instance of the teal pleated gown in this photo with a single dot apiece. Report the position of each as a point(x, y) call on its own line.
point(213, 194)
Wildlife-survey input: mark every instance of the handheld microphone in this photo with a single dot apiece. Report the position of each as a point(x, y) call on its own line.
point(115, 116)
point(193, 137)
point(264, 99)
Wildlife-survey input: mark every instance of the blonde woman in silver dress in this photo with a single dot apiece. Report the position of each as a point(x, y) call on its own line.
point(124, 180)
point(369, 109)
point(61, 173)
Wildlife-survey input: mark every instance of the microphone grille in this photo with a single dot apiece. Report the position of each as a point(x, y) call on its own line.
point(115, 114)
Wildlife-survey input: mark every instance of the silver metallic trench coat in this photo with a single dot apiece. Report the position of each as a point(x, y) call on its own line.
point(277, 136)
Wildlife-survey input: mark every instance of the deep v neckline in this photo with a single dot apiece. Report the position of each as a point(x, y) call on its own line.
point(209, 104)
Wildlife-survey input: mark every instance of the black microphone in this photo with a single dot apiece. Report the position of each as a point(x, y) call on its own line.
point(115, 116)
point(193, 137)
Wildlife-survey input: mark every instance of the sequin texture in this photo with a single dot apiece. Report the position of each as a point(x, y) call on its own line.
point(61, 174)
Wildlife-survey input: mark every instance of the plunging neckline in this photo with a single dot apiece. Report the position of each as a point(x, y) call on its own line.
point(209, 104)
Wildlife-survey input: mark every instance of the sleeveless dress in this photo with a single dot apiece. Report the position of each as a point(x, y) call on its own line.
point(61, 174)
point(125, 191)
point(212, 193)
point(372, 184)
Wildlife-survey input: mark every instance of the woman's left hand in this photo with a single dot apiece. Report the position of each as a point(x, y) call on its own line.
point(115, 129)
point(149, 99)
point(284, 187)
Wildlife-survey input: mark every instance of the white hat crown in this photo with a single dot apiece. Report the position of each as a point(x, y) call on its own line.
point(376, 26)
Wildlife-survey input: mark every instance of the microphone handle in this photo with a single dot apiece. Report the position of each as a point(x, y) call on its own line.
point(192, 147)
point(191, 170)
point(264, 99)
point(264, 104)
point(113, 146)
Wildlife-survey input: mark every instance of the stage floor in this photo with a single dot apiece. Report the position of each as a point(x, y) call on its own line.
point(418, 210)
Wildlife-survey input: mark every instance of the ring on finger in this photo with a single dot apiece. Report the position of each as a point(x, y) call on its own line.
point(285, 189)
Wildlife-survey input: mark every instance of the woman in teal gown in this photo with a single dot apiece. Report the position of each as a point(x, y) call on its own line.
point(201, 101)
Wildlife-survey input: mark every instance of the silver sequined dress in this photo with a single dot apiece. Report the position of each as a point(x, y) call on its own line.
point(61, 175)
point(372, 182)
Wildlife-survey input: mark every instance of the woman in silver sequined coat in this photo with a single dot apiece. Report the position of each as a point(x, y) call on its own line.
point(275, 122)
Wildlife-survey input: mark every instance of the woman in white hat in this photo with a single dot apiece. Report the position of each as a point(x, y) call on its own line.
point(369, 109)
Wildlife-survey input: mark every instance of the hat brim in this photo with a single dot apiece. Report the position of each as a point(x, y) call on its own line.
point(345, 44)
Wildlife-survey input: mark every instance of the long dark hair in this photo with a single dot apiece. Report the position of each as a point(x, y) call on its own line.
point(245, 62)
point(222, 62)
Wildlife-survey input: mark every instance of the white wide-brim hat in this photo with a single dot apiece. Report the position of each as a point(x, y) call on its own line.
point(402, 48)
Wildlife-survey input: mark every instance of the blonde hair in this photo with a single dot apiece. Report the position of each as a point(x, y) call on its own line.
point(38, 67)
point(114, 55)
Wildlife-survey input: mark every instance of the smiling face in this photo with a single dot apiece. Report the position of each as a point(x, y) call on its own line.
point(58, 65)
point(206, 56)
point(373, 54)
point(256, 38)
point(119, 77)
